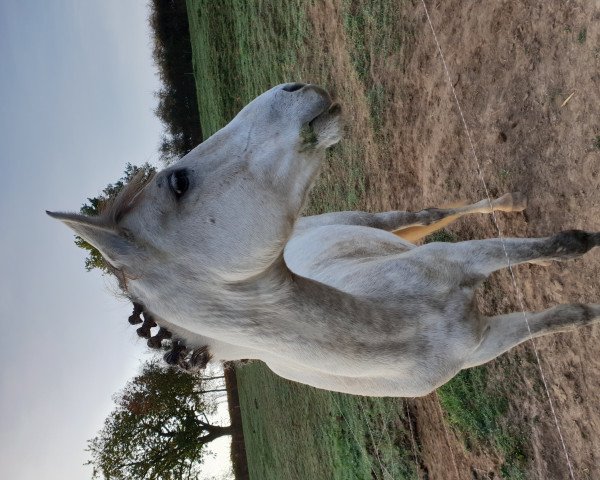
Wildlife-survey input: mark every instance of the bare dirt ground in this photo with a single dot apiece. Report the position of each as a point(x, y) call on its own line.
point(513, 64)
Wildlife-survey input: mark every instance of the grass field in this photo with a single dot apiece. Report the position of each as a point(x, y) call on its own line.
point(292, 431)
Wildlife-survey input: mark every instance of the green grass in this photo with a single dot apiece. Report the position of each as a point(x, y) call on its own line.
point(477, 409)
point(372, 32)
point(240, 49)
point(376, 96)
point(441, 236)
point(292, 431)
point(373, 36)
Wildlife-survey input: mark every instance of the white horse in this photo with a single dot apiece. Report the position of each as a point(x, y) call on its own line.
point(214, 248)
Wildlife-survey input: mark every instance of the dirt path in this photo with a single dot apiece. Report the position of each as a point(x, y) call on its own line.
point(528, 77)
point(514, 66)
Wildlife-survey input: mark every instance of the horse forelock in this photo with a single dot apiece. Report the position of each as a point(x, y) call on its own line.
point(113, 210)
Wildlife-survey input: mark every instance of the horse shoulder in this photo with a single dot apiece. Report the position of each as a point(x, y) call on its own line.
point(322, 252)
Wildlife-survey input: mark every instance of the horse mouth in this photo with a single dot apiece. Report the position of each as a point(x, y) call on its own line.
point(330, 113)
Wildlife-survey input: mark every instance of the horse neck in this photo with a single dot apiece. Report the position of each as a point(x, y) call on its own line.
point(282, 309)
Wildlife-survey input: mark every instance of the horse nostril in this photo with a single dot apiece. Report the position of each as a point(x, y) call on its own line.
point(292, 87)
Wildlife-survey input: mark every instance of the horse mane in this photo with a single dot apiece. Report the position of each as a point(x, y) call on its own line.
point(178, 354)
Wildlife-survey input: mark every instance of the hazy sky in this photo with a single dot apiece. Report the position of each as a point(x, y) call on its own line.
point(76, 86)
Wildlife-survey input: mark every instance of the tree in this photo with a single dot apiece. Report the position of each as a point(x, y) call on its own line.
point(94, 206)
point(159, 428)
point(177, 103)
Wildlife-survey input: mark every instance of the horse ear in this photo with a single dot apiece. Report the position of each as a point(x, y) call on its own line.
point(118, 250)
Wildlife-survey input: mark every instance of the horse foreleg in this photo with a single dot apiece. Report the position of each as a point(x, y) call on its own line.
point(413, 226)
point(440, 218)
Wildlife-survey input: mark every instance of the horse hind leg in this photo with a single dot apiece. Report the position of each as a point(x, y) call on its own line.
point(510, 202)
point(503, 332)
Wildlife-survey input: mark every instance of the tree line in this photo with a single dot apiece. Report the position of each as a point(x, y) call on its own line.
point(177, 103)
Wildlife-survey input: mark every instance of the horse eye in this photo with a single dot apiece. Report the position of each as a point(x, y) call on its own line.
point(178, 183)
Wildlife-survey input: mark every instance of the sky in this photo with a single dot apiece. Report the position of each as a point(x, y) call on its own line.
point(76, 87)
